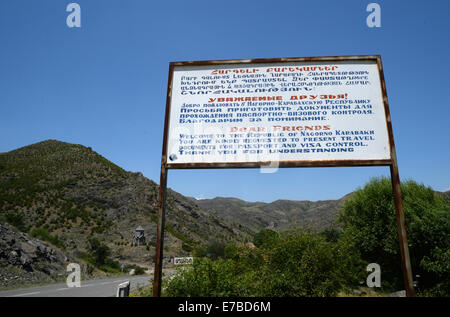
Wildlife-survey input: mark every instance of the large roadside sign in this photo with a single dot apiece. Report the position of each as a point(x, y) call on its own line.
point(280, 112)
point(327, 111)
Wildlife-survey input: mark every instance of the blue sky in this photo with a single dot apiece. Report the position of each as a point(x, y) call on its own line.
point(104, 85)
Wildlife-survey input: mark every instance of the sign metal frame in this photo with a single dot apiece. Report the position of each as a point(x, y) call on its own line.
point(392, 162)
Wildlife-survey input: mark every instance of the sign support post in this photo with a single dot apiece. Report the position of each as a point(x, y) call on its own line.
point(397, 193)
point(157, 276)
point(401, 228)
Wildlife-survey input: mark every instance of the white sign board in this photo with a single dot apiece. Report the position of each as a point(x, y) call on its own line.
point(289, 111)
point(183, 261)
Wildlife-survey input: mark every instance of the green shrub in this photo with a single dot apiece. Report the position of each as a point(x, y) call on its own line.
point(139, 270)
point(265, 238)
point(213, 250)
point(90, 269)
point(231, 251)
point(438, 263)
point(331, 235)
point(99, 251)
point(43, 234)
point(305, 264)
point(369, 217)
point(208, 278)
point(186, 247)
point(16, 219)
point(297, 264)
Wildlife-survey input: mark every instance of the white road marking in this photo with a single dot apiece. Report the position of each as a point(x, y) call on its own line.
point(87, 285)
point(24, 294)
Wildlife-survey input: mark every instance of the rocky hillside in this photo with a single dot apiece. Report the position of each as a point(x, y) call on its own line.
point(67, 193)
point(278, 215)
point(446, 194)
point(25, 260)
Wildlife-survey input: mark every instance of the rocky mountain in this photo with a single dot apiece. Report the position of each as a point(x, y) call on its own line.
point(67, 193)
point(446, 194)
point(280, 214)
point(277, 215)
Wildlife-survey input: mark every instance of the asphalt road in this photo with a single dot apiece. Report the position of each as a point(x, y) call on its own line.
point(91, 288)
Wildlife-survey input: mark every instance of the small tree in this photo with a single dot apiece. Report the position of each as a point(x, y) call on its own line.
point(99, 251)
point(265, 237)
point(331, 235)
point(215, 250)
point(231, 251)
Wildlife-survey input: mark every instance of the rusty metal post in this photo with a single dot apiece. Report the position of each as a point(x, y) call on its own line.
point(157, 276)
point(401, 228)
point(397, 192)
